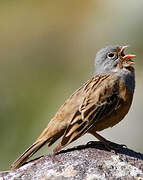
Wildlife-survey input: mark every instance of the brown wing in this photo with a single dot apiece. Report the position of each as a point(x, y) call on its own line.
point(101, 99)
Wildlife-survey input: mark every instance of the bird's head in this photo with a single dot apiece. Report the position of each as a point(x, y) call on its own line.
point(112, 59)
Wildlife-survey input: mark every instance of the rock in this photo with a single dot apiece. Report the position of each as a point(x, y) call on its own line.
point(88, 162)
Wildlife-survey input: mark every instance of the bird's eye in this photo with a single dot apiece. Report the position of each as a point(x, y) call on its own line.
point(111, 55)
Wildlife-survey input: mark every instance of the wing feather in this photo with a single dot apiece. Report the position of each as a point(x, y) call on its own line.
point(100, 100)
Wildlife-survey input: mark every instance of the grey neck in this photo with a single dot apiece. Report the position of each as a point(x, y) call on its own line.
point(128, 78)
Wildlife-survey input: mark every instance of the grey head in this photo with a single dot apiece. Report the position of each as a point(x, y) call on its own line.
point(112, 59)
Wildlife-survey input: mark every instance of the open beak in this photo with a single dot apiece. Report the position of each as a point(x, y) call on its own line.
point(127, 58)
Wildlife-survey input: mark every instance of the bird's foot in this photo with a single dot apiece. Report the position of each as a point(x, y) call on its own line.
point(114, 146)
point(107, 144)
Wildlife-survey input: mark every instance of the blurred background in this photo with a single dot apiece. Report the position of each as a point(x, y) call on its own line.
point(47, 51)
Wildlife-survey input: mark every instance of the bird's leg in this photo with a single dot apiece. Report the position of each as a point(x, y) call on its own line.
point(108, 144)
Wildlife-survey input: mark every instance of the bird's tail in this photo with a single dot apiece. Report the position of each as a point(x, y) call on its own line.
point(28, 153)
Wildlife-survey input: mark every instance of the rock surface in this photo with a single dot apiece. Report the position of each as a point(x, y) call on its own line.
point(90, 162)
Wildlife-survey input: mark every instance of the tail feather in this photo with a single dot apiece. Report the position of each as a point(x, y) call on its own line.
point(44, 138)
point(28, 153)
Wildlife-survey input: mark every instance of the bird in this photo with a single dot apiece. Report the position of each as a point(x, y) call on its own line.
point(100, 103)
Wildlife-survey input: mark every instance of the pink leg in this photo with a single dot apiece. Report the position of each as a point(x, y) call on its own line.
point(108, 144)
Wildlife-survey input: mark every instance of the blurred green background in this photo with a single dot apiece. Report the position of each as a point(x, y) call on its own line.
point(47, 51)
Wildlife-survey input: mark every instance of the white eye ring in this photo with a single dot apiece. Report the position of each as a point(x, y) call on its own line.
point(111, 55)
